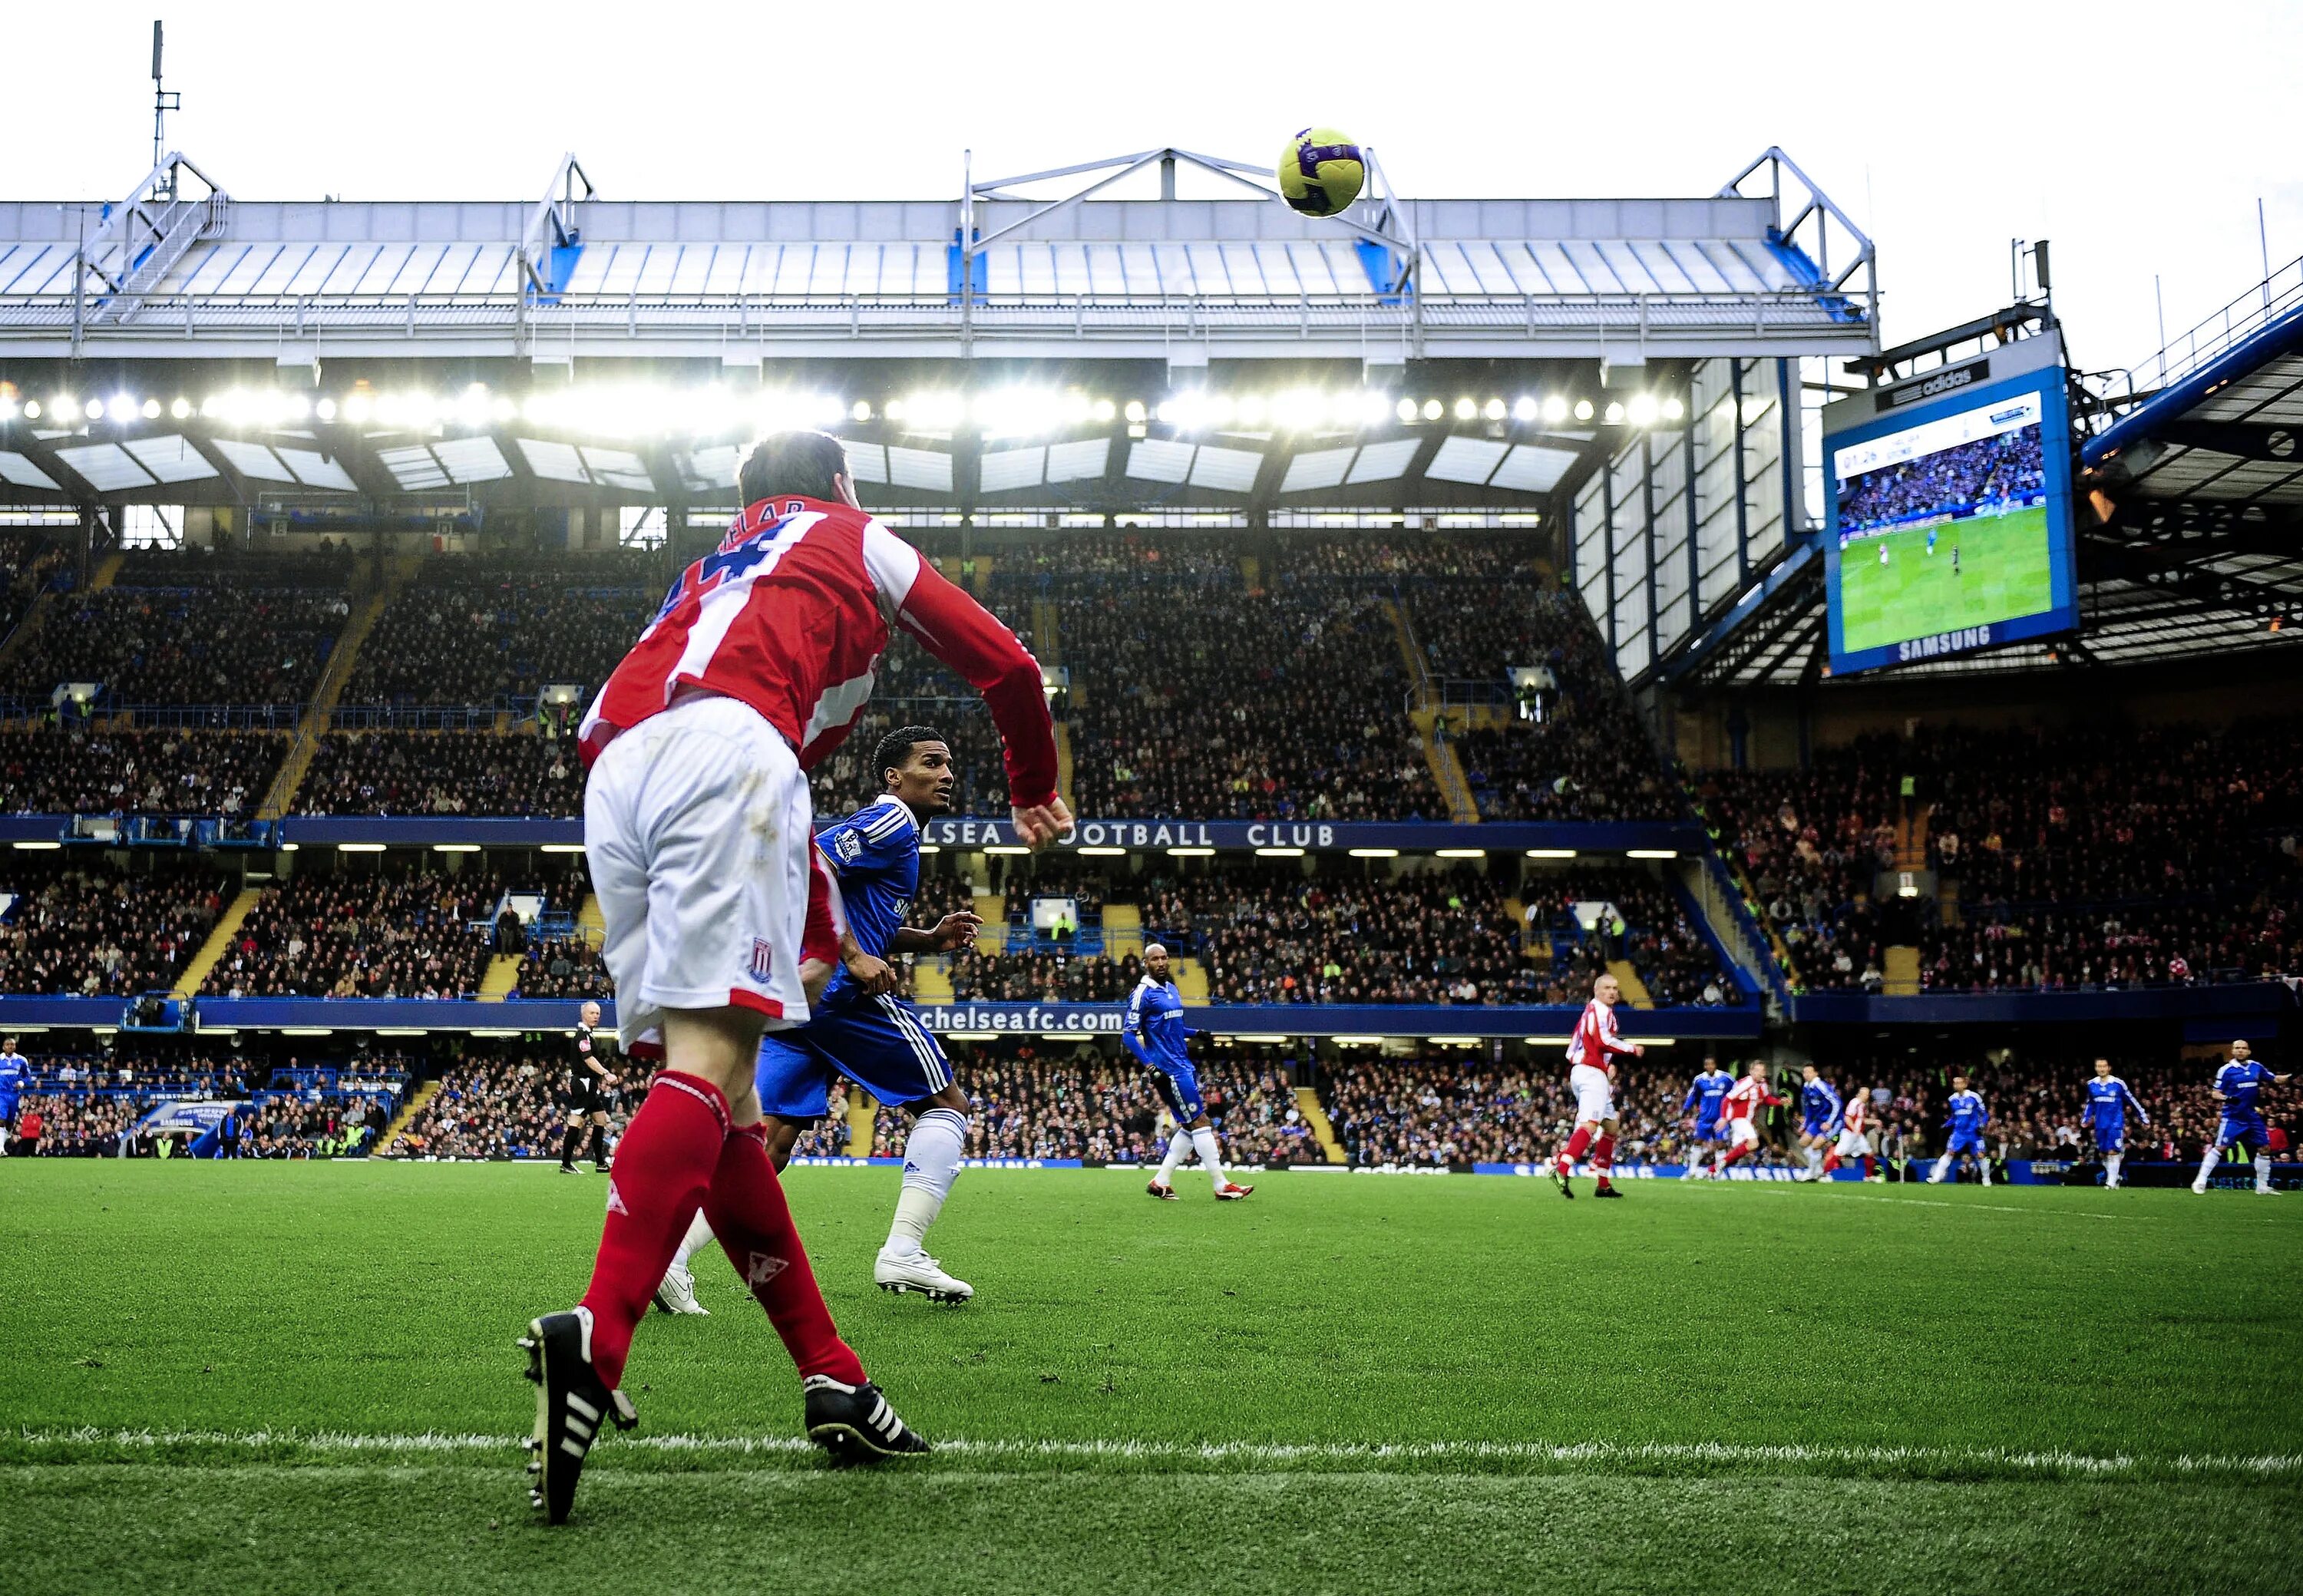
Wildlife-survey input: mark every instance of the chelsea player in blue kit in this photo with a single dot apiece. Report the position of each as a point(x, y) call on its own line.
point(1966, 1117)
point(2237, 1085)
point(1706, 1099)
point(858, 1030)
point(13, 1073)
point(1819, 1110)
point(1155, 1033)
point(2107, 1102)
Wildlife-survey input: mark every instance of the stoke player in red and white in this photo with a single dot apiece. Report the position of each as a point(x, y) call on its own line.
point(1855, 1136)
point(1592, 1055)
point(696, 821)
point(1739, 1115)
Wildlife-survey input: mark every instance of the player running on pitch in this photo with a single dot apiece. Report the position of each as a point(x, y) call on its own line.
point(1966, 1116)
point(873, 1038)
point(1738, 1115)
point(1155, 1033)
point(2107, 1102)
point(585, 1098)
point(1854, 1137)
point(2237, 1085)
point(698, 823)
point(1592, 1054)
point(1705, 1094)
point(13, 1073)
point(1820, 1111)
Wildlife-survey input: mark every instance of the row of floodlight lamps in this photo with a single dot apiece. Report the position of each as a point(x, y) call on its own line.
point(617, 411)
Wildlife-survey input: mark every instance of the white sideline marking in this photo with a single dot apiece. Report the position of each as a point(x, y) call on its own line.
point(1248, 1452)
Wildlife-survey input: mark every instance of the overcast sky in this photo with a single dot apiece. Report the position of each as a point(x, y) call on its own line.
point(2137, 137)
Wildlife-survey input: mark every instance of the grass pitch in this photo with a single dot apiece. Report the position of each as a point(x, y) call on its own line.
point(286, 1377)
point(2003, 573)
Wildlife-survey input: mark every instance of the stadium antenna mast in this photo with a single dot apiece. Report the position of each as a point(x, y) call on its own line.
point(163, 100)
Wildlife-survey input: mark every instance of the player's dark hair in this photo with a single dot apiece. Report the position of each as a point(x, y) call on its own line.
point(786, 464)
point(897, 747)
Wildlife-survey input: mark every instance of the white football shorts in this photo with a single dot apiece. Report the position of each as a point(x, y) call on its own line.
point(1595, 1096)
point(696, 823)
point(1853, 1144)
point(1742, 1133)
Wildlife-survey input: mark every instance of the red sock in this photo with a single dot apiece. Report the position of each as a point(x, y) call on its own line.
point(747, 1211)
point(1734, 1152)
point(1830, 1162)
point(1603, 1157)
point(1870, 1166)
point(1578, 1144)
point(664, 1166)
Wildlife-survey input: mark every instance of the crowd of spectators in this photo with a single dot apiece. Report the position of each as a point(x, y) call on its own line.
point(1984, 471)
point(442, 772)
point(196, 645)
point(83, 930)
point(466, 634)
point(2094, 857)
point(1632, 917)
point(29, 560)
point(1042, 974)
point(562, 968)
point(846, 781)
point(97, 769)
point(400, 931)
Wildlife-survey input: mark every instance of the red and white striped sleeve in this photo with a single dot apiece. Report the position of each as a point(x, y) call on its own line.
point(969, 638)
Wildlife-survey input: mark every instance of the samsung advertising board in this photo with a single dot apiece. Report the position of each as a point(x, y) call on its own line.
point(1950, 505)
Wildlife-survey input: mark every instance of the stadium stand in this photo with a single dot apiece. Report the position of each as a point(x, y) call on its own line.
point(442, 772)
point(478, 633)
point(84, 930)
point(222, 645)
point(109, 770)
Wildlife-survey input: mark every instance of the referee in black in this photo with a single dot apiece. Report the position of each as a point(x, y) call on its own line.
point(585, 1098)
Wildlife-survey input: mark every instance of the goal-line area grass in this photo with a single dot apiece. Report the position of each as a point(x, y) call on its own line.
point(287, 1376)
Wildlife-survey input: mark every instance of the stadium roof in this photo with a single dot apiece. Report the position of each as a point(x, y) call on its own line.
point(182, 270)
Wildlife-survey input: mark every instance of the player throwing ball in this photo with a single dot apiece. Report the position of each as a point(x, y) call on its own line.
point(1592, 1054)
point(2237, 1085)
point(696, 821)
point(1155, 1033)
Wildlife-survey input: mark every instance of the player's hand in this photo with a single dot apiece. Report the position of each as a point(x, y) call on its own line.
point(1042, 823)
point(874, 974)
point(1639, 1049)
point(955, 931)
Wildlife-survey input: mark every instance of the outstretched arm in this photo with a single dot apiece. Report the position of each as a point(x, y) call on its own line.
point(948, 935)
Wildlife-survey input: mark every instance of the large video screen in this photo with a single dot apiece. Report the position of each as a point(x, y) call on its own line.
point(1952, 525)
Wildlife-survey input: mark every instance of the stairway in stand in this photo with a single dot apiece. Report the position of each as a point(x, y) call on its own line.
point(219, 941)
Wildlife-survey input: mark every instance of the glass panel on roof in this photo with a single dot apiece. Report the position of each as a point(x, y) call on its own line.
point(1489, 268)
point(312, 270)
point(688, 273)
point(724, 274)
point(1632, 266)
point(656, 270)
point(622, 269)
point(1592, 266)
point(1005, 271)
point(1209, 273)
point(1565, 276)
point(830, 277)
point(1245, 272)
point(1035, 269)
point(1104, 277)
point(1280, 276)
point(1071, 268)
point(793, 268)
point(249, 267)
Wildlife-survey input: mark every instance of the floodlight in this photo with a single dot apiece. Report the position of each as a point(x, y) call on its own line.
point(31, 410)
point(1493, 409)
point(504, 409)
point(1673, 410)
point(1614, 412)
point(1406, 409)
point(1374, 405)
point(1253, 410)
point(1555, 409)
point(298, 407)
point(1220, 410)
point(1135, 412)
point(1523, 408)
point(1467, 409)
point(357, 407)
point(181, 408)
point(861, 410)
point(1433, 409)
point(1641, 410)
point(1583, 409)
point(325, 410)
point(898, 410)
point(1104, 410)
point(151, 410)
point(93, 409)
point(7, 406)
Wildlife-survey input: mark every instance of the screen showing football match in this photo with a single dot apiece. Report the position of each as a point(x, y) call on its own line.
point(1951, 532)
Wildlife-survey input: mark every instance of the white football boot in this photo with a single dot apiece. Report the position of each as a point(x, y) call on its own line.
point(676, 1294)
point(921, 1273)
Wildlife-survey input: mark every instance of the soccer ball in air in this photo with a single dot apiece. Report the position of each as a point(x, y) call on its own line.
point(1321, 171)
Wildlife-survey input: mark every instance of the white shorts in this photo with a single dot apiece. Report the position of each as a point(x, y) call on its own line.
point(1595, 1094)
point(1853, 1144)
point(1742, 1133)
point(696, 823)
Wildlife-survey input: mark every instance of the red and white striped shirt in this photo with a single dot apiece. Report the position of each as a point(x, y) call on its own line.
point(791, 615)
point(1857, 1113)
point(1746, 1097)
point(1595, 1037)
